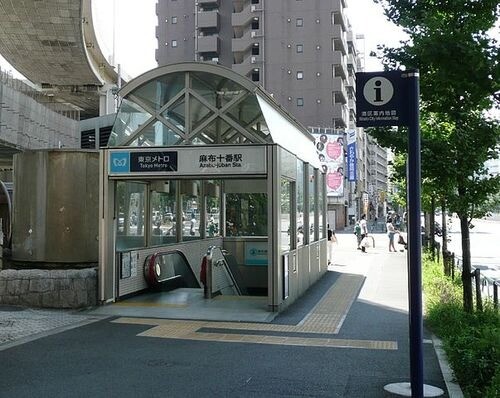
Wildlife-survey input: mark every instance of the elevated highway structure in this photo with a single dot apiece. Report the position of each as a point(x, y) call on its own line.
point(54, 45)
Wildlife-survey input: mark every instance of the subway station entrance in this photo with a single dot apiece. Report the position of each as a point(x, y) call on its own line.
point(209, 188)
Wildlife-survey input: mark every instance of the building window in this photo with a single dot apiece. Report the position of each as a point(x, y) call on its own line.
point(299, 22)
point(255, 23)
point(300, 48)
point(255, 1)
point(174, 43)
point(300, 101)
point(255, 75)
point(256, 49)
point(174, 20)
point(300, 75)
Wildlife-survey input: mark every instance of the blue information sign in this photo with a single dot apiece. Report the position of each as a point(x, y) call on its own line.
point(381, 99)
point(351, 162)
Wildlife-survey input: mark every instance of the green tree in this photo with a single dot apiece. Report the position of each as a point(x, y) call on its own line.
point(459, 81)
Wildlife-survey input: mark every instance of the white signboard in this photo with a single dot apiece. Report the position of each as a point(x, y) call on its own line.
point(199, 160)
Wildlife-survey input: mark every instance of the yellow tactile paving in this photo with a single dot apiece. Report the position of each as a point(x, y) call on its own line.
point(186, 333)
point(325, 318)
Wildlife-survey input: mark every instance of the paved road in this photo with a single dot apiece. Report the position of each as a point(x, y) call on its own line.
point(484, 243)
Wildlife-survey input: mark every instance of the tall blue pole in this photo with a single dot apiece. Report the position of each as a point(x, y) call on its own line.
point(414, 238)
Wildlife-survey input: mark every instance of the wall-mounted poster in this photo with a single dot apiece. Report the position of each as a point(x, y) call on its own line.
point(330, 148)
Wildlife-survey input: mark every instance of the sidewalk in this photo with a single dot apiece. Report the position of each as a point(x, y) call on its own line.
point(384, 295)
point(347, 337)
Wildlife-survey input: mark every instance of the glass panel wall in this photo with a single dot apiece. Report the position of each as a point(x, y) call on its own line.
point(129, 118)
point(286, 232)
point(300, 203)
point(321, 204)
point(191, 207)
point(312, 194)
point(163, 205)
point(246, 214)
point(130, 206)
point(212, 206)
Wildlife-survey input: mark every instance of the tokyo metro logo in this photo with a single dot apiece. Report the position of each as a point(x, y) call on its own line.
point(119, 162)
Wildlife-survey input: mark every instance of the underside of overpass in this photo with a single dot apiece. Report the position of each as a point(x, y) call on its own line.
point(53, 44)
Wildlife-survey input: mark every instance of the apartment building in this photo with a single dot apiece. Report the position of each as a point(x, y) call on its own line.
point(301, 51)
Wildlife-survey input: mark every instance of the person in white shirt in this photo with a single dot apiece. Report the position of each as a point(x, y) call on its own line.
point(331, 240)
point(364, 231)
point(391, 231)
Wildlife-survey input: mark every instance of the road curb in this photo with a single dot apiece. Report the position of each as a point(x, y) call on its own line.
point(454, 390)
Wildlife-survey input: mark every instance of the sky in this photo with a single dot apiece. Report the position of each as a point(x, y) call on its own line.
point(135, 39)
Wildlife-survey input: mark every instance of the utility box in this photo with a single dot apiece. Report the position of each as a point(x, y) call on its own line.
point(56, 206)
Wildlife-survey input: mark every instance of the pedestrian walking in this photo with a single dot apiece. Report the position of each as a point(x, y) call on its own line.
point(357, 232)
point(391, 231)
point(331, 240)
point(364, 232)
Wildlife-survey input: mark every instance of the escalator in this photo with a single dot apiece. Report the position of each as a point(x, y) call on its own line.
point(222, 274)
point(169, 270)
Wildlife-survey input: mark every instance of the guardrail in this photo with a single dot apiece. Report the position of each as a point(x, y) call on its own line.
point(481, 282)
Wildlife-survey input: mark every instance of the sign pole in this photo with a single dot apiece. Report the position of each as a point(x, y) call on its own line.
point(391, 98)
point(414, 238)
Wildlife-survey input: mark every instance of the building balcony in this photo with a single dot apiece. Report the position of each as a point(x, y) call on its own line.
point(338, 14)
point(339, 90)
point(243, 43)
point(208, 44)
point(248, 59)
point(340, 115)
point(352, 106)
point(246, 15)
point(351, 62)
point(339, 38)
point(351, 81)
point(208, 20)
point(243, 69)
point(339, 64)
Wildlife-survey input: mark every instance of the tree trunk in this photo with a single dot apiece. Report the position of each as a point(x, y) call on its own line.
point(466, 263)
point(433, 229)
point(446, 260)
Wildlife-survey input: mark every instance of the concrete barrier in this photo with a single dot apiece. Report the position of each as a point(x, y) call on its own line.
point(49, 288)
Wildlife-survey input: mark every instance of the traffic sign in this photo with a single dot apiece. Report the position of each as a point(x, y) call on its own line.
point(381, 99)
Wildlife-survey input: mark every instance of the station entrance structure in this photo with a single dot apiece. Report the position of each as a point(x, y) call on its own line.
point(200, 156)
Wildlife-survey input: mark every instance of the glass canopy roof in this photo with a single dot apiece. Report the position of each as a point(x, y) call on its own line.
point(204, 104)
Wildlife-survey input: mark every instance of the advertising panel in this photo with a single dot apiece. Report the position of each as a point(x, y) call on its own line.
point(330, 148)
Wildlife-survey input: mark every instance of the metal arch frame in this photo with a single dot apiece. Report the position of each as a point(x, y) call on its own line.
point(214, 69)
point(189, 133)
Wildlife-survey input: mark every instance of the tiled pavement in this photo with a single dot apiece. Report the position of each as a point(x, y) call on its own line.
point(18, 324)
point(325, 318)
